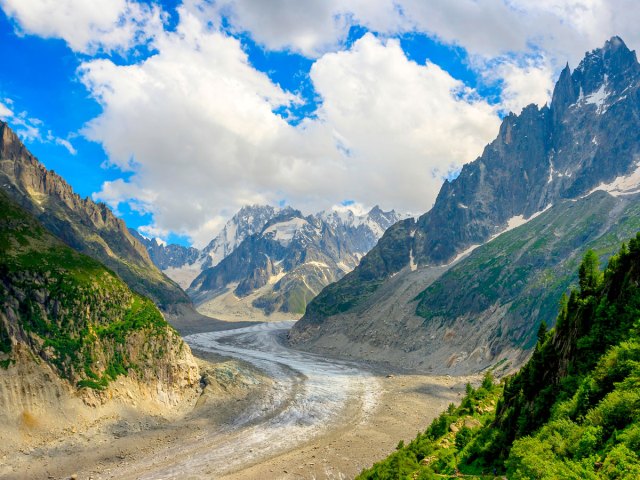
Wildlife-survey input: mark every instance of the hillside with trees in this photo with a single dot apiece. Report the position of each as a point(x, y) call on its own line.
point(573, 411)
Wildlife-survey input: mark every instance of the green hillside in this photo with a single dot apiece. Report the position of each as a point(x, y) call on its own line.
point(527, 269)
point(573, 411)
point(69, 310)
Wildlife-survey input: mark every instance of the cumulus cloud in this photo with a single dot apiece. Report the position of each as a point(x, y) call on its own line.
point(504, 38)
point(196, 125)
point(523, 81)
point(404, 125)
point(87, 26)
point(311, 28)
point(487, 27)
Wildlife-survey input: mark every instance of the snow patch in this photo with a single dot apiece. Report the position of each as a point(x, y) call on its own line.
point(284, 232)
point(518, 220)
point(465, 253)
point(598, 98)
point(513, 222)
point(622, 185)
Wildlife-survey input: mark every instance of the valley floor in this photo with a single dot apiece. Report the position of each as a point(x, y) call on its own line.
point(276, 413)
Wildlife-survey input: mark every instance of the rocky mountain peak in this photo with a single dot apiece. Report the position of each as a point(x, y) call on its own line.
point(249, 220)
point(587, 140)
point(609, 69)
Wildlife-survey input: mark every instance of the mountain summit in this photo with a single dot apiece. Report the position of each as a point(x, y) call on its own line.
point(269, 259)
point(587, 139)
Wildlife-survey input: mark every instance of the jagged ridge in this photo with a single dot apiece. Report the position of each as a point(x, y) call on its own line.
point(82, 224)
point(588, 135)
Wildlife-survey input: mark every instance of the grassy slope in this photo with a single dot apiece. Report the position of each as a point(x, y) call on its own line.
point(573, 411)
point(389, 256)
point(72, 311)
point(88, 227)
point(530, 267)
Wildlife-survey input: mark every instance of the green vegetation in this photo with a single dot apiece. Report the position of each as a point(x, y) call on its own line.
point(389, 256)
point(573, 411)
point(72, 311)
point(441, 447)
point(527, 269)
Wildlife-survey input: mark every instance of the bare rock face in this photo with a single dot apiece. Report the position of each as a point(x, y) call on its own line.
point(86, 226)
point(587, 137)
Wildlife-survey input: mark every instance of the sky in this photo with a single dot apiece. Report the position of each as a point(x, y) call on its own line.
point(177, 113)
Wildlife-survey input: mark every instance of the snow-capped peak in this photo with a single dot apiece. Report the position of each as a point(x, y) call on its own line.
point(249, 220)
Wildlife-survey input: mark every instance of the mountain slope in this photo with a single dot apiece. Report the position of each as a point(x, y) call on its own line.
point(249, 220)
point(587, 139)
point(66, 318)
point(485, 308)
point(85, 226)
point(573, 411)
point(166, 256)
point(290, 260)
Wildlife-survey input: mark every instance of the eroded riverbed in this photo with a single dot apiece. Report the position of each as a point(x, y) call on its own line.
point(311, 395)
point(276, 414)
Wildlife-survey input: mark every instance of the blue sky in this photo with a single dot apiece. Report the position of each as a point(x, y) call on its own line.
point(176, 114)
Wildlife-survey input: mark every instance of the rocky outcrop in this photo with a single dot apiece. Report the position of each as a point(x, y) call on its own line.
point(86, 226)
point(66, 318)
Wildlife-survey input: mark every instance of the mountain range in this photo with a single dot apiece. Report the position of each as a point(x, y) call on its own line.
point(270, 260)
point(452, 292)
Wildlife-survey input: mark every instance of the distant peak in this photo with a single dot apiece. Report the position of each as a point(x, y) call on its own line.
point(614, 54)
point(615, 43)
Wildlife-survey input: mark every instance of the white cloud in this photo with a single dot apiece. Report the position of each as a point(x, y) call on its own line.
point(62, 142)
point(406, 125)
point(491, 28)
point(312, 27)
point(5, 112)
point(196, 124)
point(87, 26)
point(523, 82)
point(66, 144)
